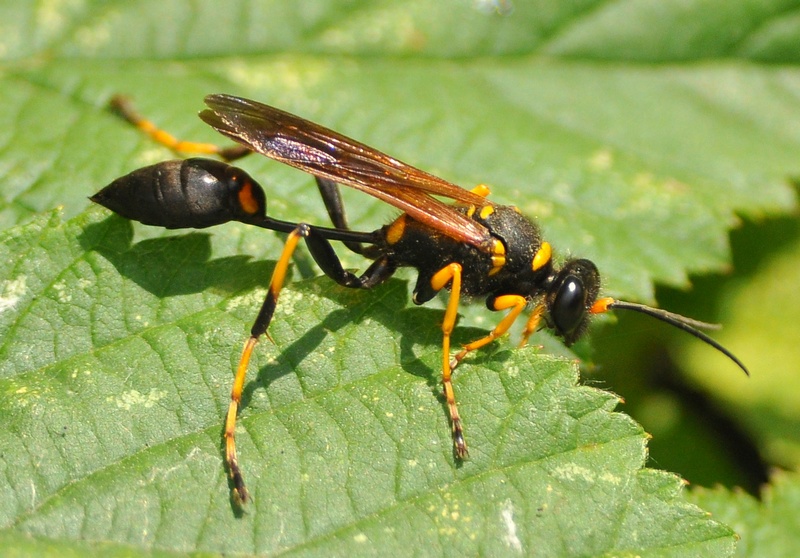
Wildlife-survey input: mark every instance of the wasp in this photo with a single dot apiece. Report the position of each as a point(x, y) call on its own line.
point(469, 247)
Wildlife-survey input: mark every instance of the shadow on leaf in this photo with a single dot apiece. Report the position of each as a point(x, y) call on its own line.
point(173, 265)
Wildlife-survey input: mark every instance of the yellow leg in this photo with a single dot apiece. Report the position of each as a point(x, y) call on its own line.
point(240, 494)
point(532, 324)
point(259, 328)
point(450, 274)
point(516, 303)
point(123, 107)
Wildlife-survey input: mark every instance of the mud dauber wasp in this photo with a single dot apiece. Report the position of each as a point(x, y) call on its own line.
point(471, 247)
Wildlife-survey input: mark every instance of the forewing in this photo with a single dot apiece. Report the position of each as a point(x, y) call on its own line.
point(322, 152)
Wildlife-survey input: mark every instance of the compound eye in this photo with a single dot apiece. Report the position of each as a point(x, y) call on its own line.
point(568, 309)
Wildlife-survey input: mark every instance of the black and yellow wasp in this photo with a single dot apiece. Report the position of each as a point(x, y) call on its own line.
point(471, 247)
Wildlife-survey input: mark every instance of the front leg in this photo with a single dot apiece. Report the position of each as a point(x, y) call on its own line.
point(517, 304)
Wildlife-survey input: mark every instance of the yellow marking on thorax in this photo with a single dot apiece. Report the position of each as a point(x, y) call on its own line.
point(486, 211)
point(498, 257)
point(396, 230)
point(481, 190)
point(542, 257)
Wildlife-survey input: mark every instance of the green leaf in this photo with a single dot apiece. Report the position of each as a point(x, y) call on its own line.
point(635, 132)
point(113, 435)
point(767, 527)
point(593, 150)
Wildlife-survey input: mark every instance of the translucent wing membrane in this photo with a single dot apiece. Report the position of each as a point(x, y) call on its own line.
point(322, 152)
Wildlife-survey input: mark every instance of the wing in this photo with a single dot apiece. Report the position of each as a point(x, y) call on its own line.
point(322, 152)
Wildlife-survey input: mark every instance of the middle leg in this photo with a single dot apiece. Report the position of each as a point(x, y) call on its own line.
point(450, 274)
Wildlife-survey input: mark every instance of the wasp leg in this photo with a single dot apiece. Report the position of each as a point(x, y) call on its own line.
point(451, 274)
point(259, 328)
point(332, 197)
point(532, 324)
point(516, 303)
point(123, 107)
point(326, 258)
point(323, 253)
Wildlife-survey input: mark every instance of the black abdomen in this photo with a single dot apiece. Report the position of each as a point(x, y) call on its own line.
point(190, 193)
